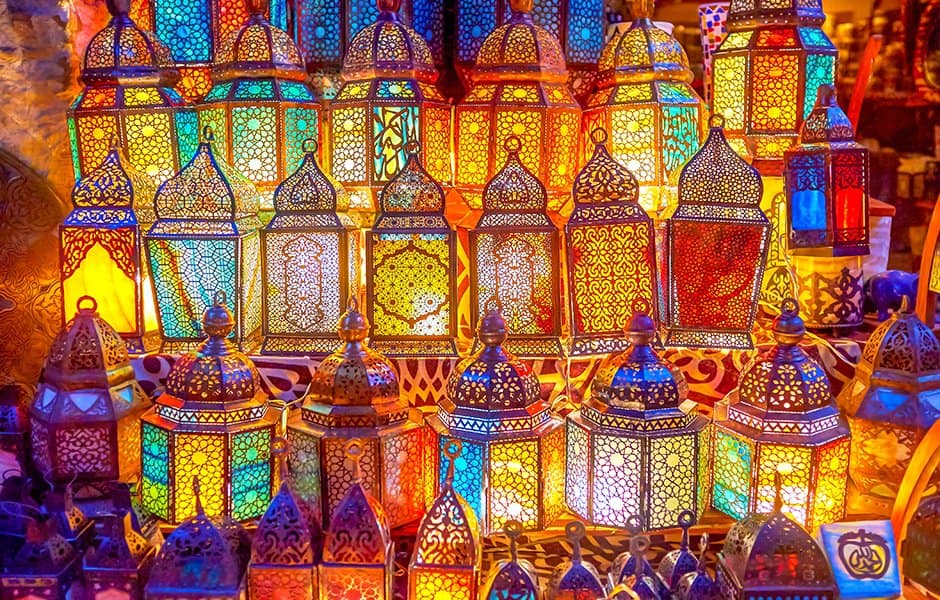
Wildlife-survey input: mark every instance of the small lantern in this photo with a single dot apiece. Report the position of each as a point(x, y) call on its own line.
point(632, 576)
point(45, 567)
point(310, 261)
point(14, 432)
point(827, 184)
point(85, 414)
point(411, 268)
point(680, 562)
point(611, 254)
point(514, 578)
point(781, 420)
point(716, 248)
point(447, 550)
point(699, 584)
point(205, 239)
point(72, 524)
point(512, 462)
point(355, 394)
point(358, 554)
point(922, 545)
point(120, 565)
point(637, 446)
point(575, 579)
point(518, 90)
point(515, 263)
point(212, 420)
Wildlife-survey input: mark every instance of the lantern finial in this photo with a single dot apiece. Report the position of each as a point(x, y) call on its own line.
point(642, 9)
point(354, 451)
point(118, 7)
point(513, 529)
point(452, 450)
point(280, 449)
point(257, 7)
point(575, 531)
point(87, 305)
point(638, 546)
point(388, 6)
point(641, 329)
point(702, 550)
point(218, 321)
point(492, 329)
point(521, 6)
point(686, 521)
point(353, 326)
point(788, 328)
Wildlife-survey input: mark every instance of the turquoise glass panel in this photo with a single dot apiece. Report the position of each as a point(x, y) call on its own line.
point(732, 475)
point(255, 89)
point(393, 128)
point(820, 70)
point(184, 26)
point(468, 475)
point(218, 92)
point(291, 90)
point(299, 124)
point(155, 470)
point(680, 131)
point(187, 133)
point(73, 142)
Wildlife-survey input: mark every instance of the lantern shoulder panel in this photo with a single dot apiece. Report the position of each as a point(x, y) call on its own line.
point(286, 531)
point(195, 556)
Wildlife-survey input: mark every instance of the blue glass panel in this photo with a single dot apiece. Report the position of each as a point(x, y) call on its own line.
point(255, 89)
point(585, 31)
point(809, 210)
point(184, 26)
point(317, 25)
point(187, 133)
point(428, 21)
point(362, 13)
point(468, 475)
point(278, 14)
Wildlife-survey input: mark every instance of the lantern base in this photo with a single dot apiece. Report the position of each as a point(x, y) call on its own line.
point(528, 347)
point(304, 346)
point(428, 347)
point(594, 345)
point(694, 338)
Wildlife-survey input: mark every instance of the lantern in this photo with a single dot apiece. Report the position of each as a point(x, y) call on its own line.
point(512, 462)
point(575, 579)
point(680, 562)
point(205, 239)
point(699, 584)
point(447, 549)
point(120, 565)
point(611, 254)
point(14, 431)
point(388, 98)
point(514, 578)
point(781, 417)
point(212, 420)
point(645, 100)
point(766, 71)
point(71, 523)
point(310, 261)
point(716, 247)
point(922, 545)
point(260, 104)
point(632, 576)
point(637, 446)
point(358, 554)
point(355, 394)
point(85, 414)
point(515, 264)
point(518, 89)
point(411, 268)
point(46, 567)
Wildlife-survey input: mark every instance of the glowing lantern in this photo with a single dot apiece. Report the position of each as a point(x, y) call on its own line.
point(518, 90)
point(515, 264)
point(355, 394)
point(212, 420)
point(645, 100)
point(512, 462)
point(46, 566)
point(766, 72)
point(310, 257)
point(205, 239)
point(119, 566)
point(611, 254)
point(575, 579)
point(411, 268)
point(514, 578)
point(128, 96)
point(716, 246)
point(781, 421)
point(699, 584)
point(388, 98)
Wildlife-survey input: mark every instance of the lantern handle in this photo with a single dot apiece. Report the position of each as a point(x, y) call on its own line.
point(413, 147)
point(310, 146)
point(702, 549)
point(599, 136)
point(513, 144)
point(634, 524)
point(686, 521)
point(354, 450)
point(716, 121)
point(219, 298)
point(513, 529)
point(905, 308)
point(92, 304)
point(575, 532)
point(452, 450)
point(638, 546)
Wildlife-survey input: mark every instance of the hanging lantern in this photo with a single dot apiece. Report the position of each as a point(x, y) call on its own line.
point(716, 248)
point(388, 98)
point(205, 239)
point(514, 578)
point(575, 579)
point(512, 462)
point(518, 89)
point(85, 414)
point(515, 263)
point(922, 545)
point(680, 562)
point(355, 394)
point(411, 268)
point(46, 567)
point(212, 420)
point(781, 419)
point(645, 100)
point(120, 564)
point(358, 557)
point(766, 71)
point(611, 254)
point(637, 446)
point(447, 550)
point(310, 258)
point(632, 576)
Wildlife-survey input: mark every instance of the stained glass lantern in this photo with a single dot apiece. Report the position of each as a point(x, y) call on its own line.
point(637, 446)
point(358, 554)
point(411, 268)
point(631, 575)
point(205, 239)
point(515, 263)
point(610, 244)
point(766, 71)
point(355, 394)
point(447, 550)
point(119, 566)
point(388, 98)
point(310, 261)
point(515, 578)
point(518, 89)
point(681, 561)
point(575, 579)
point(716, 248)
point(644, 98)
point(212, 420)
point(827, 184)
point(781, 419)
point(46, 566)
point(512, 462)
point(14, 432)
point(85, 414)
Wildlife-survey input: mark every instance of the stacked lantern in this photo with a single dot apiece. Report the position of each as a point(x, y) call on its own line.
point(575, 579)
point(119, 566)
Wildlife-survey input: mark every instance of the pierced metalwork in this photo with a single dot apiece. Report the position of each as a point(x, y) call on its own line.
point(120, 564)
point(681, 561)
point(513, 579)
point(922, 545)
point(45, 566)
point(699, 584)
point(575, 578)
point(632, 576)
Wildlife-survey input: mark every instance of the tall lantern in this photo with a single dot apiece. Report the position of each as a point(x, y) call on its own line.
point(645, 100)
point(205, 239)
point(512, 462)
point(781, 421)
point(119, 566)
point(213, 420)
point(611, 254)
point(716, 247)
point(515, 262)
point(411, 268)
point(515, 578)
point(128, 96)
point(310, 261)
point(388, 98)
point(518, 89)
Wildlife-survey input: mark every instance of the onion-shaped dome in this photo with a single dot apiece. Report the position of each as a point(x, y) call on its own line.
point(575, 578)
point(514, 189)
point(389, 48)
point(413, 193)
point(120, 548)
point(309, 189)
point(520, 50)
point(679, 562)
point(644, 52)
point(109, 191)
point(259, 49)
point(513, 578)
point(717, 175)
point(45, 551)
point(604, 180)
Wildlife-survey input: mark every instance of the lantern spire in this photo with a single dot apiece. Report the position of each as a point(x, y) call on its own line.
point(575, 532)
point(521, 7)
point(452, 450)
point(513, 529)
point(642, 9)
point(788, 328)
point(353, 325)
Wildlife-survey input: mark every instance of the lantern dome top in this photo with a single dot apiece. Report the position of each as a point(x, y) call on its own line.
point(575, 578)
point(309, 189)
point(645, 52)
point(520, 49)
point(259, 49)
point(744, 13)
point(515, 577)
point(121, 548)
point(716, 174)
point(903, 343)
point(827, 122)
point(603, 179)
point(514, 188)
point(115, 183)
point(412, 190)
point(389, 48)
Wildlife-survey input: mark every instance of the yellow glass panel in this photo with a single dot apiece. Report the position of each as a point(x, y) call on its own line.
point(638, 92)
point(633, 132)
point(435, 143)
point(520, 94)
point(774, 92)
point(473, 130)
point(831, 478)
point(480, 93)
point(730, 83)
point(202, 455)
point(435, 584)
point(562, 148)
point(100, 277)
point(349, 144)
point(514, 484)
point(95, 133)
point(737, 40)
point(527, 126)
point(150, 143)
point(352, 583)
point(616, 481)
point(795, 464)
point(141, 96)
point(673, 487)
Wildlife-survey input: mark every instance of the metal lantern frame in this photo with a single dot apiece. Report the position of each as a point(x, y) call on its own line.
point(120, 565)
point(575, 578)
point(515, 578)
point(46, 566)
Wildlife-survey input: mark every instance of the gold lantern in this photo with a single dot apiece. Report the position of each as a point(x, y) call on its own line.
point(513, 578)
point(119, 566)
point(575, 579)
